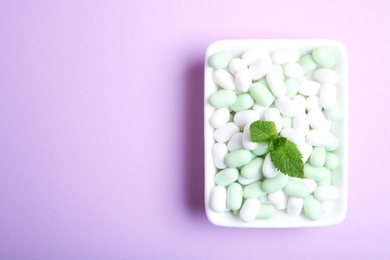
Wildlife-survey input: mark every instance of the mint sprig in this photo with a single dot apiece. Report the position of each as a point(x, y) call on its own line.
point(284, 154)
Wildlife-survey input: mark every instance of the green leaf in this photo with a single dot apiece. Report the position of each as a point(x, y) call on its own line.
point(262, 131)
point(286, 157)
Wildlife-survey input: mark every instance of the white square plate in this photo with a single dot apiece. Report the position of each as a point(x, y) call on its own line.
point(339, 128)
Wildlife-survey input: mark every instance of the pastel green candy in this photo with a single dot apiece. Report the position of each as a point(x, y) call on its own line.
point(263, 81)
point(244, 101)
point(266, 211)
point(327, 181)
point(253, 169)
point(334, 113)
point(234, 196)
point(332, 161)
point(226, 176)
point(308, 64)
point(318, 156)
point(238, 158)
point(220, 59)
point(312, 208)
point(261, 149)
point(324, 57)
point(292, 87)
point(296, 189)
point(316, 173)
point(223, 98)
point(287, 122)
point(273, 184)
point(334, 145)
point(261, 94)
point(254, 190)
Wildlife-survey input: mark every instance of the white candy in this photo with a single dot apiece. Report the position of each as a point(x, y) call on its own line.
point(235, 142)
point(260, 109)
point(218, 199)
point(328, 96)
point(282, 205)
point(249, 57)
point(245, 181)
point(284, 56)
point(236, 65)
point(326, 76)
point(293, 70)
point(249, 210)
point(313, 102)
point(294, 136)
point(243, 80)
point(326, 193)
point(276, 197)
point(276, 83)
point(306, 150)
point(260, 68)
point(319, 138)
point(301, 123)
point(224, 79)
point(294, 206)
point(269, 169)
point(219, 151)
point(219, 117)
point(309, 88)
point(273, 114)
point(245, 117)
point(223, 134)
point(300, 104)
point(246, 138)
point(317, 120)
point(286, 106)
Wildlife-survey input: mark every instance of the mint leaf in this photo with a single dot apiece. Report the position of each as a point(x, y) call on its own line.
point(277, 142)
point(262, 131)
point(286, 157)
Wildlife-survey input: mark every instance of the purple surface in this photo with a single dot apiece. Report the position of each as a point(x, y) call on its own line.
point(101, 153)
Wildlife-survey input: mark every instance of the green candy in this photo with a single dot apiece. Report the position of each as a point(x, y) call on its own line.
point(220, 59)
point(296, 189)
point(263, 81)
point(253, 168)
point(273, 184)
point(261, 149)
point(234, 196)
point(292, 87)
point(223, 98)
point(334, 113)
point(266, 211)
point(254, 190)
point(244, 101)
point(332, 161)
point(316, 173)
point(307, 63)
point(226, 176)
point(238, 158)
point(318, 156)
point(324, 57)
point(327, 181)
point(312, 208)
point(261, 94)
point(287, 122)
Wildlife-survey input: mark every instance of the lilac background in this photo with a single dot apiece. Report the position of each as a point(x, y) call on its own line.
point(101, 153)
